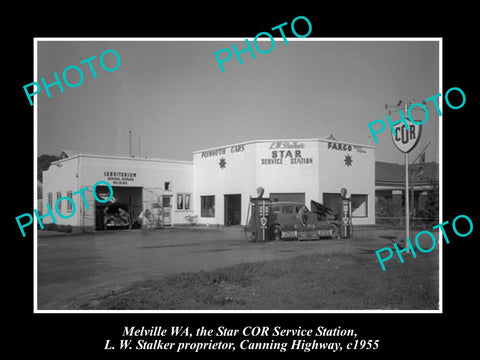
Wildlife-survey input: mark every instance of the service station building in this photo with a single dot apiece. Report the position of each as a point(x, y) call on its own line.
point(217, 185)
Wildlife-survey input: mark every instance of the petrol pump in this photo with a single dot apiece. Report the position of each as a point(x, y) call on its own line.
point(259, 218)
point(346, 226)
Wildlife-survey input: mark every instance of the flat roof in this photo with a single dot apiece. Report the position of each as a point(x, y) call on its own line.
point(74, 154)
point(290, 140)
point(133, 158)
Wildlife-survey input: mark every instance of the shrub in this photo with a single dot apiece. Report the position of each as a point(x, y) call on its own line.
point(57, 227)
point(50, 227)
point(192, 219)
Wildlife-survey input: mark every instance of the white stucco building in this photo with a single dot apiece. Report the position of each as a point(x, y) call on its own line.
point(138, 184)
point(217, 185)
point(289, 170)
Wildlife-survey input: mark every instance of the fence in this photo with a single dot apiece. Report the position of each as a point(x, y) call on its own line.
point(399, 222)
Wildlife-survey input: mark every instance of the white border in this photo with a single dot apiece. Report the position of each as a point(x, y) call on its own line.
point(35, 234)
point(440, 176)
point(35, 183)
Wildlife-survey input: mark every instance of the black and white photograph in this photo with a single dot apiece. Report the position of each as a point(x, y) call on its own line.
point(290, 193)
point(295, 183)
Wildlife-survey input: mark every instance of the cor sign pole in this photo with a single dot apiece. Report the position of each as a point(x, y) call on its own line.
point(407, 200)
point(405, 139)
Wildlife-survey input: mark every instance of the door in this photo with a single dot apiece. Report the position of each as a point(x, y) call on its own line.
point(333, 201)
point(233, 209)
point(167, 210)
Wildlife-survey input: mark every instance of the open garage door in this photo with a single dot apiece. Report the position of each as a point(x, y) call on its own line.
point(122, 209)
point(291, 197)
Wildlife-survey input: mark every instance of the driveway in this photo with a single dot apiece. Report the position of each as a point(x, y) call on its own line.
point(74, 267)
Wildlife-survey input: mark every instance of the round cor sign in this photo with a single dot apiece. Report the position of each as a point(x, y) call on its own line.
point(406, 139)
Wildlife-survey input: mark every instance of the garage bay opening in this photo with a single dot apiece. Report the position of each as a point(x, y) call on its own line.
point(233, 209)
point(123, 209)
point(289, 197)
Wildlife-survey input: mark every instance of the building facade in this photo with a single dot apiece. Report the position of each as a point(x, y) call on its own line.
point(217, 185)
point(289, 170)
point(390, 191)
point(163, 187)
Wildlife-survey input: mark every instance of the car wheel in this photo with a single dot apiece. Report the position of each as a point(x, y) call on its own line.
point(277, 234)
point(251, 236)
point(334, 229)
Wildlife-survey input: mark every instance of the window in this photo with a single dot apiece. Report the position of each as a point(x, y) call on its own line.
point(208, 206)
point(59, 195)
point(167, 185)
point(49, 199)
point(359, 205)
point(179, 201)
point(166, 201)
point(69, 203)
point(287, 210)
point(183, 201)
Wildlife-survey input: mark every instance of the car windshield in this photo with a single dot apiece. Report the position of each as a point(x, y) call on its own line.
point(292, 208)
point(300, 206)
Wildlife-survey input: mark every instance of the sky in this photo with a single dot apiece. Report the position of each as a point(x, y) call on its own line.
point(174, 98)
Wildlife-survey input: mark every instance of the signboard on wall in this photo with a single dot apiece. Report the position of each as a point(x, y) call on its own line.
point(120, 177)
point(286, 153)
point(223, 151)
point(336, 146)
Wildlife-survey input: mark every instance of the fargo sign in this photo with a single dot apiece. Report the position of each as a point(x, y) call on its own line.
point(406, 136)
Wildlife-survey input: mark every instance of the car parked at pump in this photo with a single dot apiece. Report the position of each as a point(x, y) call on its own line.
point(294, 221)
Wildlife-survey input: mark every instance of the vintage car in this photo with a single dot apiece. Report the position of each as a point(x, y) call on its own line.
point(116, 217)
point(294, 221)
point(117, 222)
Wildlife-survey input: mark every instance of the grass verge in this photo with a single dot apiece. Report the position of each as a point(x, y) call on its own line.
point(313, 282)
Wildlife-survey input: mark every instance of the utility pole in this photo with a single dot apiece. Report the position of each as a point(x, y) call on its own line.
point(130, 141)
point(413, 163)
point(397, 108)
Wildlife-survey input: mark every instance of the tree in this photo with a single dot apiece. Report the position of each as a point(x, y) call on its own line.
point(384, 207)
point(43, 163)
point(432, 202)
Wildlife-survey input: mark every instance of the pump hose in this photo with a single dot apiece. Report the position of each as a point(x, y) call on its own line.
point(254, 238)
